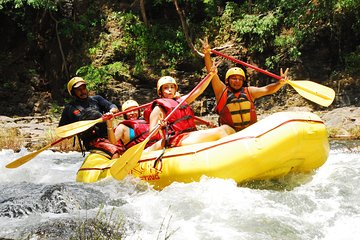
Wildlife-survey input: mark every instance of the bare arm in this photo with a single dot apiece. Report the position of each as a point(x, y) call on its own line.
point(258, 92)
point(203, 86)
point(198, 91)
point(157, 114)
point(217, 85)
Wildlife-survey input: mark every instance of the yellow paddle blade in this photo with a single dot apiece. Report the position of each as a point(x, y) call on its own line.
point(75, 128)
point(127, 161)
point(313, 91)
point(24, 159)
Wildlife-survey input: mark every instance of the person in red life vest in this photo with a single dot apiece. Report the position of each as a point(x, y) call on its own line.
point(180, 129)
point(234, 98)
point(85, 107)
point(133, 129)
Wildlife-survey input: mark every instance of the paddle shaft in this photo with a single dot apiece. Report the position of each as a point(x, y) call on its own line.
point(81, 126)
point(24, 159)
point(57, 141)
point(204, 122)
point(267, 73)
point(247, 64)
point(312, 91)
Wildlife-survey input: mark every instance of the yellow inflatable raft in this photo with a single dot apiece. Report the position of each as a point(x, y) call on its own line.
point(271, 148)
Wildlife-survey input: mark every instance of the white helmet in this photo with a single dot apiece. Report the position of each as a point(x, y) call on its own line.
point(165, 80)
point(128, 104)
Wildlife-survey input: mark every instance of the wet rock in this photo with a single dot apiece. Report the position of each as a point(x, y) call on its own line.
point(343, 121)
point(25, 199)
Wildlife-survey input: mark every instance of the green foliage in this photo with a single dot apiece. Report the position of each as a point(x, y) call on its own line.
point(225, 21)
point(272, 31)
point(55, 109)
point(51, 5)
point(118, 69)
point(344, 6)
point(256, 29)
point(99, 77)
point(352, 61)
point(286, 46)
point(135, 38)
point(82, 28)
point(151, 45)
point(281, 30)
point(96, 77)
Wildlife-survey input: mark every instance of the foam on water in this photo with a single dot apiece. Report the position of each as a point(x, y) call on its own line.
point(320, 205)
point(47, 167)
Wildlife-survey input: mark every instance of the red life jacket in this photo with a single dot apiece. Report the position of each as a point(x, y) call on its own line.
point(141, 130)
point(236, 109)
point(181, 121)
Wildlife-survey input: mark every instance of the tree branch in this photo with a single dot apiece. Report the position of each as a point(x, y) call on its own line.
point(185, 27)
point(64, 64)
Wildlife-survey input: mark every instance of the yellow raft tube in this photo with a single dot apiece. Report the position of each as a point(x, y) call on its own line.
point(271, 148)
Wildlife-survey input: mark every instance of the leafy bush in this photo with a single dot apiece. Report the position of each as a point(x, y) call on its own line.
point(259, 30)
point(153, 45)
point(97, 77)
point(352, 61)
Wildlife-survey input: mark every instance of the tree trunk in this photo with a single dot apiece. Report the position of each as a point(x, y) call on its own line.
point(143, 12)
point(185, 27)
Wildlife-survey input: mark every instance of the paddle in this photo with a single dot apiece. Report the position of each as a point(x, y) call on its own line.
point(121, 167)
point(24, 159)
point(80, 126)
point(313, 91)
point(209, 124)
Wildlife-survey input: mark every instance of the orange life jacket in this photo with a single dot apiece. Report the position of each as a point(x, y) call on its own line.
point(236, 109)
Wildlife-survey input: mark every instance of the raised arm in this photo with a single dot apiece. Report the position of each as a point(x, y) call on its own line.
point(202, 88)
point(257, 92)
point(217, 85)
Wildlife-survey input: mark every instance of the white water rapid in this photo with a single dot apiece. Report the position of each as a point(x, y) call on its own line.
point(42, 200)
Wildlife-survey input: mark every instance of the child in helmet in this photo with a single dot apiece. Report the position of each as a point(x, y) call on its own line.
point(133, 129)
point(180, 129)
point(234, 98)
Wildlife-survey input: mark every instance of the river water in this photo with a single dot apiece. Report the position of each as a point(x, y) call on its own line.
point(41, 200)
